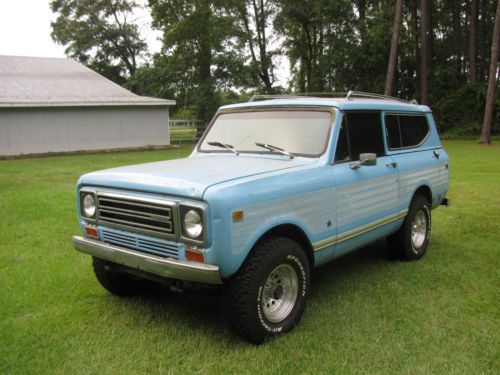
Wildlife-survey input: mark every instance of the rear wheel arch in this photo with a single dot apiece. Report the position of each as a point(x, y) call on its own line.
point(425, 191)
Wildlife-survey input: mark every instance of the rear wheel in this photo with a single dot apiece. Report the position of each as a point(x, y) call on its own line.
point(117, 283)
point(267, 296)
point(411, 240)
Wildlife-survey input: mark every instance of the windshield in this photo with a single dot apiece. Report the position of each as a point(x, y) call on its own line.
point(299, 132)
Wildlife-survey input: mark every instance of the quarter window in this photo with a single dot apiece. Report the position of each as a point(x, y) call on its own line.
point(360, 132)
point(405, 130)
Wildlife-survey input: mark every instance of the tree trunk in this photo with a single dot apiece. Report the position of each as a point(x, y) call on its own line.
point(206, 96)
point(472, 42)
point(393, 57)
point(424, 50)
point(492, 81)
point(361, 5)
point(415, 29)
point(456, 16)
point(483, 58)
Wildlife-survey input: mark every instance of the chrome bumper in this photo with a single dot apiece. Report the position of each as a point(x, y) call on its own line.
point(166, 267)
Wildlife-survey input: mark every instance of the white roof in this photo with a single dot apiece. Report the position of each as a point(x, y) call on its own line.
point(58, 82)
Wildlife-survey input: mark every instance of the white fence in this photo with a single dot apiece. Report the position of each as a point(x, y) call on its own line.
point(185, 130)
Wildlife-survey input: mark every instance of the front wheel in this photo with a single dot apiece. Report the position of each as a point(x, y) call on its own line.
point(411, 240)
point(267, 296)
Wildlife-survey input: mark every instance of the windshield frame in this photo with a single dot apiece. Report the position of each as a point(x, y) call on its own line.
point(308, 108)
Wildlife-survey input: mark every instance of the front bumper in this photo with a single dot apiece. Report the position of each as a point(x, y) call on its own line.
point(166, 267)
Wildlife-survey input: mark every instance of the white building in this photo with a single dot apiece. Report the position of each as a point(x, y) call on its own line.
point(58, 105)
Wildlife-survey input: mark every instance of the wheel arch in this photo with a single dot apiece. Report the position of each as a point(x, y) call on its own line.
point(425, 191)
point(288, 230)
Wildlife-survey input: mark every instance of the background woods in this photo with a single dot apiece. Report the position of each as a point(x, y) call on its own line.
point(221, 51)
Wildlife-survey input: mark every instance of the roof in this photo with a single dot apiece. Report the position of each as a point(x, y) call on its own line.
point(59, 82)
point(340, 103)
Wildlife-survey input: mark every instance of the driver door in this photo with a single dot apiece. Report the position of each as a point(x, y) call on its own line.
point(368, 195)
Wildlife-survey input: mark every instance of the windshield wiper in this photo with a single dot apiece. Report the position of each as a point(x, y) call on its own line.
point(275, 148)
point(224, 145)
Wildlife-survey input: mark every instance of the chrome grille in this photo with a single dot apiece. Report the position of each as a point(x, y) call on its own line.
point(136, 242)
point(153, 217)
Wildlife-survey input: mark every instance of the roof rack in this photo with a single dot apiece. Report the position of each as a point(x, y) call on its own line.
point(360, 94)
point(349, 96)
point(256, 98)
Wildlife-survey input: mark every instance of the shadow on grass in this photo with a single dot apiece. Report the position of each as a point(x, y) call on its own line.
point(202, 310)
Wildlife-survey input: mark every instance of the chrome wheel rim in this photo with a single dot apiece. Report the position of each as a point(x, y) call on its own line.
point(280, 293)
point(418, 229)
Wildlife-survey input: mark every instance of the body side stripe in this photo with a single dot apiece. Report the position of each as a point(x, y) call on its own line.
point(358, 231)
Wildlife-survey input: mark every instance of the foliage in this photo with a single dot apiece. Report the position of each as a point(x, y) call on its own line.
point(460, 110)
point(99, 34)
point(216, 50)
point(203, 36)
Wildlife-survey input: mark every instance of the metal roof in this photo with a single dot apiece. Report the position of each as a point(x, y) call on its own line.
point(57, 82)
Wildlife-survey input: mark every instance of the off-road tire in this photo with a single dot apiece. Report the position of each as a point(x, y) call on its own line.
point(117, 283)
point(401, 246)
point(243, 293)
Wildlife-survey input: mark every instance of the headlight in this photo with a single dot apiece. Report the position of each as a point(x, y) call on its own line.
point(88, 205)
point(192, 223)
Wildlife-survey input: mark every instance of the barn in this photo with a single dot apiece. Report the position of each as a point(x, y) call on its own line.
point(59, 105)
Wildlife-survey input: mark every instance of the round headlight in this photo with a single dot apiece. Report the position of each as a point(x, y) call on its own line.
point(192, 224)
point(89, 205)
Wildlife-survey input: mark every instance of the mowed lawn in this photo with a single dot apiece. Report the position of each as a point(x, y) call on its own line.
point(366, 314)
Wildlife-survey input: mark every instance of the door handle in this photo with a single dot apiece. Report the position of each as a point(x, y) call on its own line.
point(436, 154)
point(392, 164)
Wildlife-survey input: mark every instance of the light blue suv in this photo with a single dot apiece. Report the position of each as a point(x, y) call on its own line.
point(274, 188)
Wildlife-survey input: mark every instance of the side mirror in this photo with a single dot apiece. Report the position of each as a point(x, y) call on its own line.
point(367, 159)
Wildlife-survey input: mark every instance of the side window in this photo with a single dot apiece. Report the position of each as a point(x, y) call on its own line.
point(414, 129)
point(364, 130)
point(342, 150)
point(393, 132)
point(405, 130)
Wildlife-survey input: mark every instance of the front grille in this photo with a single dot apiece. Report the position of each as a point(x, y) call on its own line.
point(140, 243)
point(152, 217)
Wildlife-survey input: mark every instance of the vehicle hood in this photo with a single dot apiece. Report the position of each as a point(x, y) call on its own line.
point(189, 177)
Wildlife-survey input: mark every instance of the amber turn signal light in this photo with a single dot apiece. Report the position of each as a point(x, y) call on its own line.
point(194, 254)
point(92, 232)
point(237, 216)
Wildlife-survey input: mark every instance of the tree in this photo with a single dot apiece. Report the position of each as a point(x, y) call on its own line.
point(99, 34)
point(319, 40)
point(424, 50)
point(393, 57)
point(472, 42)
point(492, 81)
point(203, 34)
point(254, 15)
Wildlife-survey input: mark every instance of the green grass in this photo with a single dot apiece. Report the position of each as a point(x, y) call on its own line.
point(366, 314)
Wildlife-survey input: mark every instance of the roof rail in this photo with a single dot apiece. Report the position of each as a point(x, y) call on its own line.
point(349, 96)
point(360, 94)
point(256, 98)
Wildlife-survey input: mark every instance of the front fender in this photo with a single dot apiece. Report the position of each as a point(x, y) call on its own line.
point(265, 228)
point(304, 198)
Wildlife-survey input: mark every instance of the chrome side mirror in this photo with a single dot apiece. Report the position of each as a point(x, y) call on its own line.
point(367, 159)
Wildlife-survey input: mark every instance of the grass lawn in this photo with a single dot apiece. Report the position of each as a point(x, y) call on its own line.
point(366, 314)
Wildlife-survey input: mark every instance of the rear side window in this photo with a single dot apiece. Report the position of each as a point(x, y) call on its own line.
point(360, 132)
point(405, 131)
